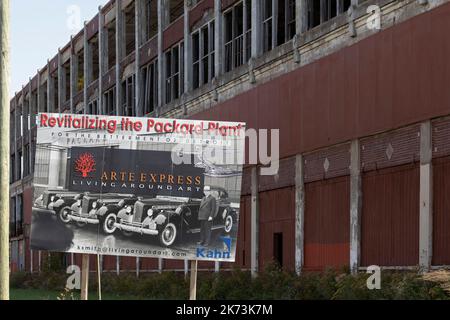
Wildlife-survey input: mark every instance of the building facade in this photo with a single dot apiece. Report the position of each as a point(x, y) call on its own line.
point(358, 90)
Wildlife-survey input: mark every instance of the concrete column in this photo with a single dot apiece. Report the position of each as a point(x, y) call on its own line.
point(140, 34)
point(38, 105)
point(39, 261)
point(117, 265)
point(299, 214)
point(101, 59)
point(187, 50)
point(73, 76)
point(49, 89)
point(355, 206)
point(254, 236)
point(218, 38)
point(217, 266)
point(86, 68)
point(256, 28)
point(161, 25)
point(137, 266)
point(160, 265)
point(60, 82)
point(119, 55)
point(426, 197)
point(31, 260)
point(301, 16)
point(186, 268)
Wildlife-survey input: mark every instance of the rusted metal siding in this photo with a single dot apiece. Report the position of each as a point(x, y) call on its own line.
point(243, 246)
point(327, 224)
point(284, 178)
point(441, 137)
point(127, 263)
point(441, 211)
point(391, 149)
point(173, 34)
point(367, 88)
point(390, 217)
point(198, 11)
point(173, 264)
point(109, 263)
point(149, 51)
point(277, 215)
point(246, 181)
point(327, 163)
point(149, 264)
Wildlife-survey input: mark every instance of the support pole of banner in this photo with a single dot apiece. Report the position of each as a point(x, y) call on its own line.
point(99, 276)
point(193, 286)
point(84, 277)
point(4, 150)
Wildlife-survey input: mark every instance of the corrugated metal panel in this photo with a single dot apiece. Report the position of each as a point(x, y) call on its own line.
point(173, 34)
point(127, 264)
point(328, 163)
point(277, 215)
point(149, 264)
point(109, 263)
point(243, 246)
point(391, 149)
point(390, 217)
point(198, 11)
point(372, 87)
point(327, 224)
point(284, 178)
point(246, 181)
point(441, 211)
point(228, 3)
point(441, 137)
point(173, 264)
point(149, 51)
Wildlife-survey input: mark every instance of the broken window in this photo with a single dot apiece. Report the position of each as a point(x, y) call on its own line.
point(80, 71)
point(174, 72)
point(109, 101)
point(283, 29)
point(322, 11)
point(55, 98)
point(128, 96)
point(176, 9)
point(111, 45)
point(26, 105)
point(12, 176)
point(130, 30)
point(150, 77)
point(151, 18)
point(34, 107)
point(26, 160)
point(94, 66)
point(203, 55)
point(278, 248)
point(238, 40)
point(66, 81)
point(43, 103)
point(93, 107)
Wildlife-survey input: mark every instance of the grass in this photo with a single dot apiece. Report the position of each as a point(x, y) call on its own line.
point(37, 294)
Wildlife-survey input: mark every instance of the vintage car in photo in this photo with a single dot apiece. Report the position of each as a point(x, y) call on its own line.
point(93, 208)
point(53, 201)
point(169, 217)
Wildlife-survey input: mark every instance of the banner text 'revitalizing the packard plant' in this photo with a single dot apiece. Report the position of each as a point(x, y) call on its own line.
point(162, 126)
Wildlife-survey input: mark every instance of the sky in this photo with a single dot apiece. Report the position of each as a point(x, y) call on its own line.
point(39, 28)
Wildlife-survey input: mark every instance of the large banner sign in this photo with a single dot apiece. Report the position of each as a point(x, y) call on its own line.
point(145, 187)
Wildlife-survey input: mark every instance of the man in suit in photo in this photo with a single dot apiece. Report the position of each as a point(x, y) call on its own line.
point(206, 214)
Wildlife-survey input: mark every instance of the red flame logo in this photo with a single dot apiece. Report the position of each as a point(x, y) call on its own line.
point(85, 164)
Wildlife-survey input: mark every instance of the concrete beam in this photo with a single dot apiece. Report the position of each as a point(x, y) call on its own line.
point(187, 50)
point(426, 197)
point(139, 6)
point(101, 59)
point(119, 55)
point(299, 214)
point(355, 206)
point(218, 38)
point(86, 68)
point(254, 236)
point(301, 16)
point(256, 28)
point(161, 25)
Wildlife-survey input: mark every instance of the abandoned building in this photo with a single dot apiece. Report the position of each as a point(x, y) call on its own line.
point(358, 89)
